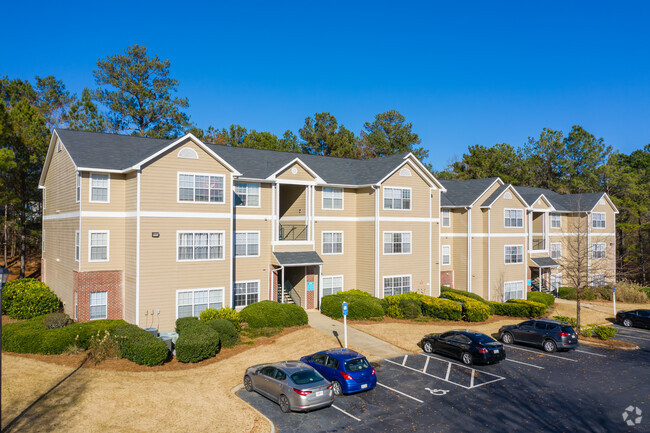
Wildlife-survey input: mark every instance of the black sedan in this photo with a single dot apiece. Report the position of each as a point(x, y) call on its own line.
point(638, 318)
point(470, 347)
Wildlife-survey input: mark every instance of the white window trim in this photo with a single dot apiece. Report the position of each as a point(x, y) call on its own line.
point(324, 277)
point(108, 245)
point(223, 295)
point(559, 219)
point(322, 242)
point(77, 245)
point(514, 282)
point(108, 188)
point(383, 198)
point(442, 218)
point(513, 227)
point(600, 277)
point(259, 195)
point(259, 242)
point(193, 154)
point(604, 249)
point(551, 249)
point(259, 292)
point(555, 276)
point(322, 204)
point(383, 250)
point(90, 305)
point(604, 220)
point(442, 255)
point(383, 282)
point(513, 263)
point(78, 187)
point(178, 188)
point(225, 243)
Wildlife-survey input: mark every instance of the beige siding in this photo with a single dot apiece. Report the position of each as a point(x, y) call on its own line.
point(60, 184)
point(349, 203)
point(502, 272)
point(339, 264)
point(420, 195)
point(116, 246)
point(255, 268)
point(365, 202)
point(116, 194)
point(293, 201)
point(417, 263)
point(300, 175)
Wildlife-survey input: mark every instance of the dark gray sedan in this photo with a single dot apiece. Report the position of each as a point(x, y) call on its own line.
point(294, 385)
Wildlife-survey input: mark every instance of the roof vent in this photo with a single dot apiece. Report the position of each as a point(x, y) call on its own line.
point(602, 201)
point(405, 172)
point(188, 153)
point(507, 196)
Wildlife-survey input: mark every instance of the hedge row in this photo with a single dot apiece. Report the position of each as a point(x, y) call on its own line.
point(196, 340)
point(227, 332)
point(226, 313)
point(474, 296)
point(28, 298)
point(267, 314)
point(508, 309)
point(544, 298)
point(139, 346)
point(535, 309)
point(413, 305)
point(473, 310)
point(360, 306)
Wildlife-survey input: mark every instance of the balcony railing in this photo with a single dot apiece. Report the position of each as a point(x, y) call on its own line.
point(293, 232)
point(539, 244)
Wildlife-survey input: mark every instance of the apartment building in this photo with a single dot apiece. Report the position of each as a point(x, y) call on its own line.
point(151, 230)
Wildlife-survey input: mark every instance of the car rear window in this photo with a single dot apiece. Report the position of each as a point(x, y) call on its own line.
point(358, 364)
point(306, 376)
point(568, 330)
point(483, 339)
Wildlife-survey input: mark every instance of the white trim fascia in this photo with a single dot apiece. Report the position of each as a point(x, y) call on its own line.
point(108, 245)
point(299, 243)
point(322, 242)
point(90, 189)
point(582, 234)
point(469, 249)
point(188, 173)
point(497, 180)
point(383, 234)
point(489, 254)
point(611, 203)
point(295, 182)
point(508, 189)
point(484, 235)
point(61, 216)
point(408, 219)
point(231, 268)
point(317, 178)
point(209, 215)
point(548, 202)
point(208, 232)
point(259, 237)
point(103, 170)
point(48, 158)
point(137, 249)
point(376, 190)
point(430, 179)
point(295, 218)
point(430, 261)
point(252, 217)
point(439, 231)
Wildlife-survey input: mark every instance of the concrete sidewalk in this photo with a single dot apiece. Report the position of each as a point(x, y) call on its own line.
point(374, 348)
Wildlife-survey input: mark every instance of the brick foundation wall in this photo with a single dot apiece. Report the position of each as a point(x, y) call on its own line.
point(85, 283)
point(529, 276)
point(273, 284)
point(310, 278)
point(447, 278)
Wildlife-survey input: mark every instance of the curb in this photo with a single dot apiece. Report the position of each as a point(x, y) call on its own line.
point(591, 343)
point(238, 388)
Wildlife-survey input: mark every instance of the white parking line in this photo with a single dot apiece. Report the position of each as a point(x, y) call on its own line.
point(626, 328)
point(542, 354)
point(629, 336)
point(461, 365)
point(591, 353)
point(525, 363)
point(351, 416)
point(400, 392)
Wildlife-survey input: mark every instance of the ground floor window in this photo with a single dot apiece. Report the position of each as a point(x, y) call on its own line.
point(332, 284)
point(598, 280)
point(397, 285)
point(192, 302)
point(556, 281)
point(98, 303)
point(513, 290)
point(246, 293)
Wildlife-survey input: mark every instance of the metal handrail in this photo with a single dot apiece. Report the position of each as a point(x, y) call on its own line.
point(293, 232)
point(539, 244)
point(288, 289)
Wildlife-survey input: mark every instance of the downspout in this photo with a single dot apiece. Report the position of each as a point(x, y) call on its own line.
point(376, 189)
point(589, 219)
point(439, 244)
point(137, 250)
point(232, 244)
point(469, 249)
point(489, 281)
point(430, 236)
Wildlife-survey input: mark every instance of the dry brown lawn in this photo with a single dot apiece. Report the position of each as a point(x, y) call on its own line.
point(107, 400)
point(599, 312)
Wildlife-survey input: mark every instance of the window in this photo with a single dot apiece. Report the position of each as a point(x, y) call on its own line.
point(446, 218)
point(332, 243)
point(200, 246)
point(397, 285)
point(247, 194)
point(247, 244)
point(507, 196)
point(446, 254)
point(188, 153)
point(397, 198)
point(332, 198)
point(556, 281)
point(78, 190)
point(200, 188)
point(98, 305)
point(246, 293)
point(77, 245)
point(332, 285)
point(556, 250)
point(98, 251)
point(598, 250)
point(514, 218)
point(556, 221)
point(99, 186)
point(598, 280)
point(513, 290)
point(514, 254)
point(598, 220)
point(405, 172)
point(191, 302)
point(397, 242)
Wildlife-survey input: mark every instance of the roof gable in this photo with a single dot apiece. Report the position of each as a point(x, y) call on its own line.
point(465, 193)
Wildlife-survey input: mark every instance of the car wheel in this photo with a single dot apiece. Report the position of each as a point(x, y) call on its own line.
point(550, 346)
point(627, 323)
point(427, 347)
point(248, 383)
point(466, 357)
point(284, 404)
point(507, 338)
point(336, 388)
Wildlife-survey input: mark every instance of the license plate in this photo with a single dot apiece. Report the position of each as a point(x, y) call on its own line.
point(496, 350)
point(364, 386)
point(319, 393)
point(573, 336)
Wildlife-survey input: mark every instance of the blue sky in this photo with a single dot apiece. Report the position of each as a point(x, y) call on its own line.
point(462, 72)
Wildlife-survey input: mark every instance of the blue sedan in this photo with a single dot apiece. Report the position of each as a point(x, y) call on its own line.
point(349, 371)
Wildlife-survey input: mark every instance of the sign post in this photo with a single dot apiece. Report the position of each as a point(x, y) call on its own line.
point(614, 298)
point(345, 324)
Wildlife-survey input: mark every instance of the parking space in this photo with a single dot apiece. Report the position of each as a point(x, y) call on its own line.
point(531, 389)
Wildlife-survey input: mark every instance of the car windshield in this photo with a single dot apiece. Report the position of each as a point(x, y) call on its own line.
point(358, 364)
point(568, 330)
point(484, 339)
point(306, 376)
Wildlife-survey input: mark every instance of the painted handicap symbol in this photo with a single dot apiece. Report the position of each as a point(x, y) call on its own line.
point(437, 391)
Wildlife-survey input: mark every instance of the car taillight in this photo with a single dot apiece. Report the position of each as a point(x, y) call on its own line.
point(345, 375)
point(563, 334)
point(302, 392)
point(373, 371)
point(481, 350)
point(329, 387)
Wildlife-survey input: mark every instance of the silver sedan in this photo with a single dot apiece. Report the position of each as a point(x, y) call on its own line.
point(294, 385)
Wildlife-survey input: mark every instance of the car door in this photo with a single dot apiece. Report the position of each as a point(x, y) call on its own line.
point(318, 361)
point(643, 318)
point(523, 331)
point(264, 385)
point(331, 368)
point(275, 384)
point(538, 334)
point(442, 343)
point(461, 343)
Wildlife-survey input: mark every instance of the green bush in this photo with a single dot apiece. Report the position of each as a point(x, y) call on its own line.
point(473, 310)
point(56, 320)
point(544, 298)
point(27, 298)
point(360, 307)
point(508, 309)
point(570, 320)
point(535, 309)
point(357, 292)
point(139, 346)
point(226, 330)
point(270, 314)
point(196, 340)
point(411, 308)
point(567, 293)
point(603, 332)
point(444, 309)
point(474, 296)
point(226, 313)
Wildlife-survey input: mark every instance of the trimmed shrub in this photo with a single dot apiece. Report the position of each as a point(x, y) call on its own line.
point(196, 340)
point(410, 308)
point(603, 332)
point(535, 309)
point(570, 320)
point(445, 289)
point(226, 330)
point(270, 314)
point(444, 309)
point(544, 298)
point(360, 307)
point(140, 346)
point(226, 313)
point(567, 293)
point(27, 298)
point(473, 310)
point(357, 292)
point(508, 309)
point(56, 320)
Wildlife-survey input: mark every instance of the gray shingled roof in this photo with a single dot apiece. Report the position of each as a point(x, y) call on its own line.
point(561, 202)
point(544, 262)
point(300, 258)
point(495, 195)
point(464, 192)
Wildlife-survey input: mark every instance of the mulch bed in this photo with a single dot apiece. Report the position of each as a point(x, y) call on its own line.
point(607, 344)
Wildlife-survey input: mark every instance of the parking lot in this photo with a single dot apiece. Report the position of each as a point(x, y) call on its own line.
point(588, 389)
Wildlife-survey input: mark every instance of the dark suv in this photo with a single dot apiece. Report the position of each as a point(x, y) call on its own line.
point(551, 335)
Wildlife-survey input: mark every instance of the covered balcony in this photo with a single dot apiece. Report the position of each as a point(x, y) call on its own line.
point(293, 212)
